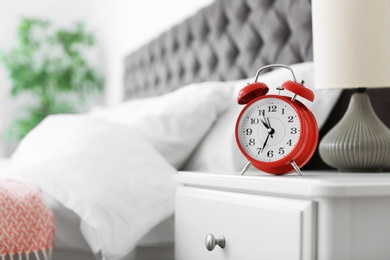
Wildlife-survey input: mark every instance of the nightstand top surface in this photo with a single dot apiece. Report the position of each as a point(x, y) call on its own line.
point(311, 184)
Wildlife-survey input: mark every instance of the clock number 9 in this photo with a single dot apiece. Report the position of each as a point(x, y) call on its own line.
point(248, 131)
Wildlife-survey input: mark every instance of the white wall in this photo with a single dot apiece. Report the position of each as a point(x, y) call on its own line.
point(127, 24)
point(120, 26)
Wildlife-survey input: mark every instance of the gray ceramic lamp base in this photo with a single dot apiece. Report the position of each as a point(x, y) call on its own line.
point(360, 142)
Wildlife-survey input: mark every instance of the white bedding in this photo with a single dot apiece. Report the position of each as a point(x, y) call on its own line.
point(69, 236)
point(176, 122)
point(114, 179)
point(112, 171)
point(120, 186)
point(67, 225)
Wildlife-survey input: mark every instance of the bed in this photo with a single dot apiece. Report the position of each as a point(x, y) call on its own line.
point(178, 114)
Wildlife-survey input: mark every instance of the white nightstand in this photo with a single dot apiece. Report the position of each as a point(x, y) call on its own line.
point(317, 216)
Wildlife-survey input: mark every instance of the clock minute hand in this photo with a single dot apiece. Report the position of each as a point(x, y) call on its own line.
point(271, 131)
point(265, 142)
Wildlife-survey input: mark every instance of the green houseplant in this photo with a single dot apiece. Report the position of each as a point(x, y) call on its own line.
point(51, 66)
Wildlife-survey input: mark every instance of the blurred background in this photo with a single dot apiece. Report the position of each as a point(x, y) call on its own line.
point(118, 26)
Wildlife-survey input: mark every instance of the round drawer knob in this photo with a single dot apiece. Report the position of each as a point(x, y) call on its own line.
point(211, 242)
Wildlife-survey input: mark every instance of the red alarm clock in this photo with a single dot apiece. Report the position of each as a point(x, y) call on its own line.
point(277, 134)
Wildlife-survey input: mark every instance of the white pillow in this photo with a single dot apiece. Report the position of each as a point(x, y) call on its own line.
point(174, 123)
point(219, 152)
point(105, 172)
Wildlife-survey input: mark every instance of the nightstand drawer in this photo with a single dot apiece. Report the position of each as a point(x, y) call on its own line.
point(254, 227)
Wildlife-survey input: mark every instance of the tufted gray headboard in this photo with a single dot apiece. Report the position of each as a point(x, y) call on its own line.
point(230, 39)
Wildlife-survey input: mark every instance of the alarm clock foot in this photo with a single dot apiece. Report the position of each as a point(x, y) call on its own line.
point(246, 167)
point(296, 168)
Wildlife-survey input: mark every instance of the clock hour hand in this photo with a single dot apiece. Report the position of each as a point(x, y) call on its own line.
point(269, 123)
point(270, 129)
point(265, 124)
point(265, 121)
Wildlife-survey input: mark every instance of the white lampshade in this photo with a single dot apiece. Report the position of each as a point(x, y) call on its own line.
point(351, 42)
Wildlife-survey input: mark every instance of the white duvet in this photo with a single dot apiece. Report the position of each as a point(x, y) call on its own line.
point(107, 173)
point(119, 183)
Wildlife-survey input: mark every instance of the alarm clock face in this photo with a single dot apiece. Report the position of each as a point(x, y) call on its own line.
point(269, 129)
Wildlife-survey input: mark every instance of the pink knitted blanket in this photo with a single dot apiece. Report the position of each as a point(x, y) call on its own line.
point(26, 223)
